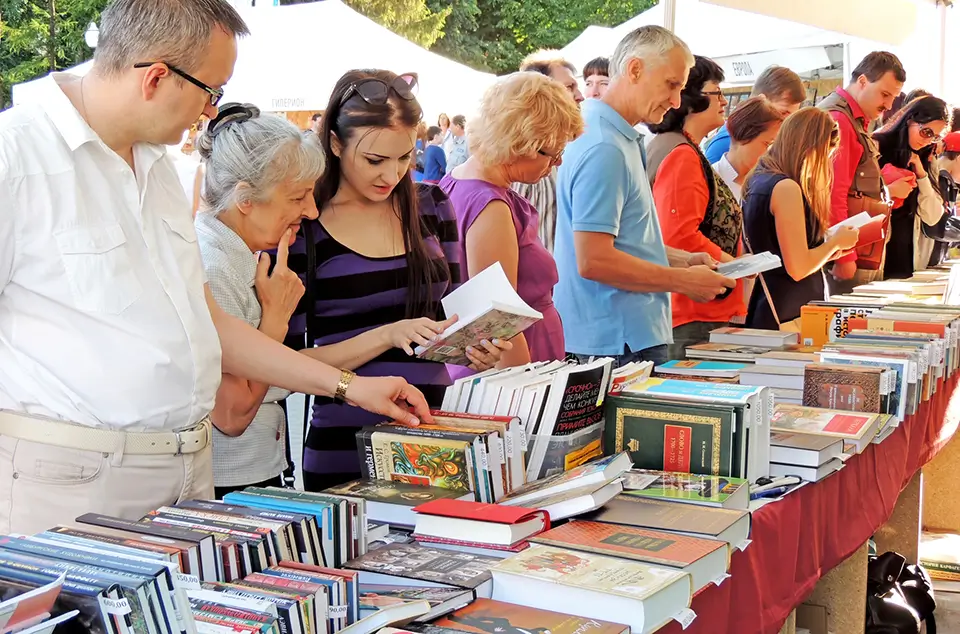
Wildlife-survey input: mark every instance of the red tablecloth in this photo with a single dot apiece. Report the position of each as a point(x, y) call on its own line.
point(811, 531)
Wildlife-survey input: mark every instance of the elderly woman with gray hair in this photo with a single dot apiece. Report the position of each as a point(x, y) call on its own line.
point(258, 188)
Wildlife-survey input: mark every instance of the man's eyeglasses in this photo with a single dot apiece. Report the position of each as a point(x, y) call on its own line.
point(554, 158)
point(216, 94)
point(376, 92)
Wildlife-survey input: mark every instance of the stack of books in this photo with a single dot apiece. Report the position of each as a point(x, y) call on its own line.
point(491, 529)
point(705, 428)
point(557, 407)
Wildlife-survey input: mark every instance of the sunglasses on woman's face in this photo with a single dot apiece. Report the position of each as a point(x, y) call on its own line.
point(376, 92)
point(927, 133)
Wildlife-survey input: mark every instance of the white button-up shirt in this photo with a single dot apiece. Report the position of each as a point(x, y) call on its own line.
point(725, 170)
point(103, 319)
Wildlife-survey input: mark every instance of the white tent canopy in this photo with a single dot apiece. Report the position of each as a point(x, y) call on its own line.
point(725, 35)
point(295, 54)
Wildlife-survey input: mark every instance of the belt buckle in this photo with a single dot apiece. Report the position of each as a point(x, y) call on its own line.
point(179, 439)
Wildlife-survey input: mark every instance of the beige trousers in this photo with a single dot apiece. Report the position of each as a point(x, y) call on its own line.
point(42, 486)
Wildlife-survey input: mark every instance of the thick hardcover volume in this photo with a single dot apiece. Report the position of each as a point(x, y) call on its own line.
point(670, 437)
point(485, 616)
point(843, 387)
point(480, 512)
point(697, 489)
point(413, 561)
point(630, 542)
point(667, 516)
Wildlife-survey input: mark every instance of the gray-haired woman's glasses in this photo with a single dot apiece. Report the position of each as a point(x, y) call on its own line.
point(215, 93)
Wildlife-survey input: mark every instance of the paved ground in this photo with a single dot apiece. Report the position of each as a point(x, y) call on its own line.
point(948, 613)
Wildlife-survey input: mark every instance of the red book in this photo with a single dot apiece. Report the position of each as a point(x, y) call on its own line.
point(478, 522)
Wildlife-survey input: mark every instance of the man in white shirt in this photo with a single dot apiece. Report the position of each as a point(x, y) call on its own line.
point(455, 147)
point(110, 342)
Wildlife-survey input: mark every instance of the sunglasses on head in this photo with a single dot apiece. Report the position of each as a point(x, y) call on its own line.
point(376, 92)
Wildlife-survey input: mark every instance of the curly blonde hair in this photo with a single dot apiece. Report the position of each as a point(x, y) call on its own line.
point(521, 114)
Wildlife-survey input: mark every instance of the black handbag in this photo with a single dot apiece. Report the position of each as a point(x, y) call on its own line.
point(946, 230)
point(899, 597)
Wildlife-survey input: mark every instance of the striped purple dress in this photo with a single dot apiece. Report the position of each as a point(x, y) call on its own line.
point(354, 294)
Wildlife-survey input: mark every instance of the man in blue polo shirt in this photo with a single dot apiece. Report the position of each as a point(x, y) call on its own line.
point(615, 272)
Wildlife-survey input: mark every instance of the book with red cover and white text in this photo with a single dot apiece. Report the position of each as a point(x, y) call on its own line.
point(477, 522)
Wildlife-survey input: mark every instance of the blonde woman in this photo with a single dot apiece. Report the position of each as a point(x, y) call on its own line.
point(786, 209)
point(524, 123)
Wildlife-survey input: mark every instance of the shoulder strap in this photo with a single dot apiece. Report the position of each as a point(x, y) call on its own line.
point(763, 282)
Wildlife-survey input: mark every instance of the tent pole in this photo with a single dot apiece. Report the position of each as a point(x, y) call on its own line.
point(669, 14)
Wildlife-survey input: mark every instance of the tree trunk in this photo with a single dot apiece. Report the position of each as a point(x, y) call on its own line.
point(52, 44)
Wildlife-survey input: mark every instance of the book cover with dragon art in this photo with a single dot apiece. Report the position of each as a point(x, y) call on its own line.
point(485, 616)
point(851, 388)
point(671, 436)
point(424, 461)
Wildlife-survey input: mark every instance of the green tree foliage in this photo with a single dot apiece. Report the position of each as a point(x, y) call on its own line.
point(25, 45)
point(412, 19)
point(496, 35)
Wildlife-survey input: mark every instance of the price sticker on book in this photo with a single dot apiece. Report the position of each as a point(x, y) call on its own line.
point(337, 612)
point(119, 607)
point(685, 617)
point(188, 582)
point(743, 545)
point(720, 579)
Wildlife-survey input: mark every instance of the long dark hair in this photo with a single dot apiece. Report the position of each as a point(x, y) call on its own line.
point(425, 266)
point(894, 138)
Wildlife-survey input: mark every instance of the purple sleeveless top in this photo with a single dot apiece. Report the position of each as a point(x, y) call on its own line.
point(536, 269)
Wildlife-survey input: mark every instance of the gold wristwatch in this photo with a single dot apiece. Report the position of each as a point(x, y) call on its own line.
point(346, 377)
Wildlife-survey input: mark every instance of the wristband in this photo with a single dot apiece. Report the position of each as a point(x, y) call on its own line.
point(346, 377)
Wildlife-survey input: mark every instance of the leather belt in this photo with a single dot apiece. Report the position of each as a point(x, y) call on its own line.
point(58, 433)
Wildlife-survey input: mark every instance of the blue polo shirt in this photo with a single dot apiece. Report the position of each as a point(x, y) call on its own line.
point(602, 187)
point(718, 145)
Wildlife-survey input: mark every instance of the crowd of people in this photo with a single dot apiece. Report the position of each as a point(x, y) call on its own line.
point(145, 355)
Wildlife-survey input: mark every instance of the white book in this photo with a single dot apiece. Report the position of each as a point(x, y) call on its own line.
point(748, 265)
point(488, 307)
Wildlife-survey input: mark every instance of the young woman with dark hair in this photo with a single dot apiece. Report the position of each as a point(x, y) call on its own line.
point(383, 250)
point(907, 144)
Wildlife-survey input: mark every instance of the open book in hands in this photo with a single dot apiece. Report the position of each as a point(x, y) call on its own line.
point(872, 229)
point(488, 308)
point(748, 265)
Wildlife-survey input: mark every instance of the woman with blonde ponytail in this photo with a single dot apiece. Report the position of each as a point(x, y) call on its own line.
point(786, 210)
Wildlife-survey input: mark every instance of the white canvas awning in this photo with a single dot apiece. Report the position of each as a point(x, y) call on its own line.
point(295, 54)
point(887, 21)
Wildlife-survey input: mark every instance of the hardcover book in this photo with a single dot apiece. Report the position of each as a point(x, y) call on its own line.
point(706, 490)
point(851, 426)
point(852, 388)
point(413, 561)
point(485, 616)
point(706, 559)
point(671, 436)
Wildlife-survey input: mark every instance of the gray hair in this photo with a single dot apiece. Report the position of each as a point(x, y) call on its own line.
point(261, 151)
point(171, 31)
point(649, 43)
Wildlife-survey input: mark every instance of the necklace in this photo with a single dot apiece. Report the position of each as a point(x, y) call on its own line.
point(83, 102)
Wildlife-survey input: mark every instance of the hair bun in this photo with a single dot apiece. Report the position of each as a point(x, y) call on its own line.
point(228, 114)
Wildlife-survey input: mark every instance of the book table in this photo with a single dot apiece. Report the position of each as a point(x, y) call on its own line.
point(811, 546)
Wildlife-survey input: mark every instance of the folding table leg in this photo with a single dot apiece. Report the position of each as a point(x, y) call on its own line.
point(901, 533)
point(843, 592)
point(790, 627)
point(941, 505)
